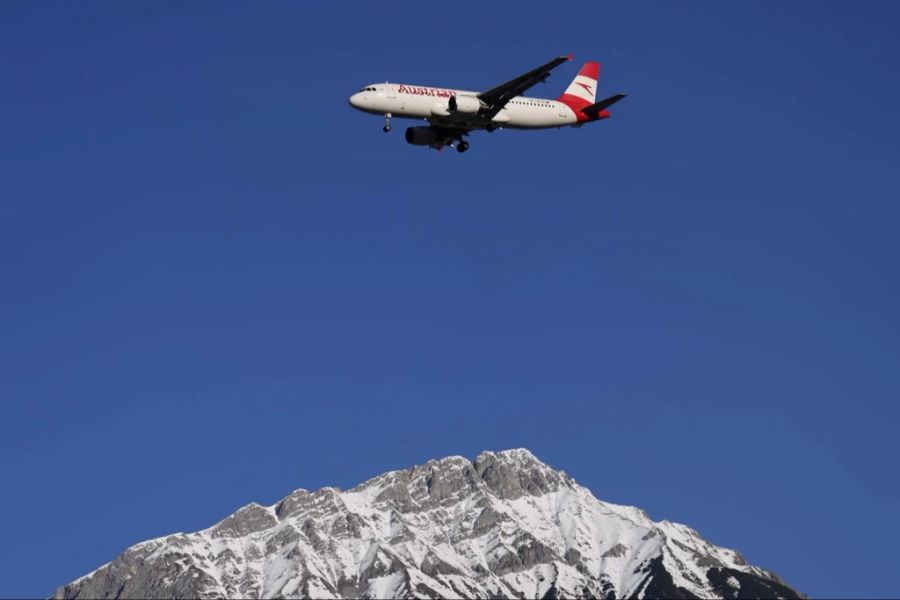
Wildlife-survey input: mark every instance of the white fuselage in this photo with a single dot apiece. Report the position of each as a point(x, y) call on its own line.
point(432, 104)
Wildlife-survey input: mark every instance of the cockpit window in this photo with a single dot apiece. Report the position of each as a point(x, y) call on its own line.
point(367, 89)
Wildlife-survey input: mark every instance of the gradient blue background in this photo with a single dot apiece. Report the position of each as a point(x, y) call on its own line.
point(219, 283)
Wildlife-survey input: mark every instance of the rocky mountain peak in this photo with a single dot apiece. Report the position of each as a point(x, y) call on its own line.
point(502, 525)
point(513, 473)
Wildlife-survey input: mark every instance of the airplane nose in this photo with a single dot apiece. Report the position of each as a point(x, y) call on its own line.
point(356, 100)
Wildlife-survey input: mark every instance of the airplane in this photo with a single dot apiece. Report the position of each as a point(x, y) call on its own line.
point(452, 114)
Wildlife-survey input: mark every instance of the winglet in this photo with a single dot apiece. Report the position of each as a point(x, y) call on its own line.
point(570, 56)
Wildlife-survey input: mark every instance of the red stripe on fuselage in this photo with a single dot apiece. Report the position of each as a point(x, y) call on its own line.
point(576, 104)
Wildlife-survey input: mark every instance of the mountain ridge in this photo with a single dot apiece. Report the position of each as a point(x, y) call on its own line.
point(502, 525)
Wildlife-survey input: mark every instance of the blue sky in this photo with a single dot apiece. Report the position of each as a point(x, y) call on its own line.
point(219, 283)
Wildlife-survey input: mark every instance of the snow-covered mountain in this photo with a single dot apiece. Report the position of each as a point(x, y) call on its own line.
point(503, 525)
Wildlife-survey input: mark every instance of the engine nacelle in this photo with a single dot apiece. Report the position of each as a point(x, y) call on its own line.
point(420, 136)
point(440, 108)
point(465, 104)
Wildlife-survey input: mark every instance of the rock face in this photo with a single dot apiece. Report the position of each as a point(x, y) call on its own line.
point(503, 525)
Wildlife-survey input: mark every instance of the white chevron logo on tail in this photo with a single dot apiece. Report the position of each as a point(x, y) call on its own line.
point(583, 89)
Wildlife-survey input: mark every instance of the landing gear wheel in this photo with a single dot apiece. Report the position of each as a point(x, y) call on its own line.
point(386, 128)
point(462, 147)
point(387, 123)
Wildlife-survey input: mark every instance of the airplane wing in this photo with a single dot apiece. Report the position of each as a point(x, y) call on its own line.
point(497, 97)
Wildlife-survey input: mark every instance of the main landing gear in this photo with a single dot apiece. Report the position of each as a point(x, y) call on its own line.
point(387, 122)
point(462, 146)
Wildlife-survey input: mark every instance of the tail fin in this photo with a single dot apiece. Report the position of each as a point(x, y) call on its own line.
point(583, 89)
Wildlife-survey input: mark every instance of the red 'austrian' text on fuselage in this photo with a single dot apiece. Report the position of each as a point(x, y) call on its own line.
point(423, 91)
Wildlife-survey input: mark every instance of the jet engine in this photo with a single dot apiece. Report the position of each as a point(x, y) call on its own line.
point(465, 104)
point(421, 136)
point(439, 109)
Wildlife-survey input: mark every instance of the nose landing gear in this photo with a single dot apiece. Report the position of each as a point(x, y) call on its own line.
point(387, 122)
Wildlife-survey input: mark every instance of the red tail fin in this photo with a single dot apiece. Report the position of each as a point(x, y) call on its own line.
point(583, 89)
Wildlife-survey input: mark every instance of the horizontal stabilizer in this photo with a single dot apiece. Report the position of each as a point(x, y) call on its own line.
point(593, 109)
